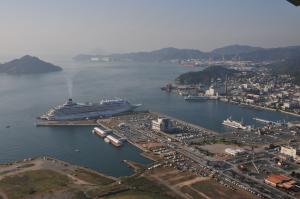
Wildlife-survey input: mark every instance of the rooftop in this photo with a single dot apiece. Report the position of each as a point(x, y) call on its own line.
point(278, 179)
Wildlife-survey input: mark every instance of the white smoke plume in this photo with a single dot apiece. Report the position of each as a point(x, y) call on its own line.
point(69, 77)
point(70, 86)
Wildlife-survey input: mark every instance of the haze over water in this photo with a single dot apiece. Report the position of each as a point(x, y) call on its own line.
point(25, 97)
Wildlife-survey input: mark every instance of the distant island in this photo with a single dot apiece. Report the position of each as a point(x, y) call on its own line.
point(28, 65)
point(231, 52)
point(206, 76)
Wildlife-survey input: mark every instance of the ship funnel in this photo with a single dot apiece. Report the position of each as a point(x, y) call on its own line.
point(70, 101)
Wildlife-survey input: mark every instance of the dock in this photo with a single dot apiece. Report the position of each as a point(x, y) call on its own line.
point(45, 123)
point(137, 136)
point(139, 133)
point(115, 132)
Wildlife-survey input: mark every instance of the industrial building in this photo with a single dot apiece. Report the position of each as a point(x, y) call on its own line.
point(280, 181)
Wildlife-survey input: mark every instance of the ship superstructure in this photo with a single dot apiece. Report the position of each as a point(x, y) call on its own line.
point(234, 124)
point(74, 111)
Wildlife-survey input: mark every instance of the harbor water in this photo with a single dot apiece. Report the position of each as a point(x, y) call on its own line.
point(24, 97)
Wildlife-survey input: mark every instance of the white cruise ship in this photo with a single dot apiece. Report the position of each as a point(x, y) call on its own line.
point(75, 111)
point(234, 124)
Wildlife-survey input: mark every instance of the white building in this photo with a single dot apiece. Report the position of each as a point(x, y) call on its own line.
point(210, 92)
point(234, 152)
point(290, 105)
point(249, 101)
point(289, 151)
point(161, 124)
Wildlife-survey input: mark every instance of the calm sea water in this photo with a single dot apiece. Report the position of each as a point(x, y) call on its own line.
point(23, 98)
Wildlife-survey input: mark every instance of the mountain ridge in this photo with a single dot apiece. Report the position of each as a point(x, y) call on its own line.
point(244, 52)
point(235, 49)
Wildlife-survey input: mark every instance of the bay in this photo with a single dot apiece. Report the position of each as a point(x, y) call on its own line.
point(24, 97)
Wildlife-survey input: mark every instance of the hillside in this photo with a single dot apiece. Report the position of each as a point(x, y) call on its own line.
point(273, 54)
point(291, 67)
point(28, 65)
point(235, 50)
point(205, 76)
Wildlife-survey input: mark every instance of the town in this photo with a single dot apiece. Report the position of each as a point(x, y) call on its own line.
point(252, 85)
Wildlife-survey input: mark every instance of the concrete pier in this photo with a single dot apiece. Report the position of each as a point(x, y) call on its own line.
point(44, 123)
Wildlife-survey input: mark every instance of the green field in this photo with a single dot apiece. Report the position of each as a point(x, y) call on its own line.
point(143, 184)
point(134, 187)
point(33, 182)
point(215, 190)
point(142, 187)
point(92, 177)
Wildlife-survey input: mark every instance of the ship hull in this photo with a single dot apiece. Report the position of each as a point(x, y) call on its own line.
point(90, 115)
point(234, 126)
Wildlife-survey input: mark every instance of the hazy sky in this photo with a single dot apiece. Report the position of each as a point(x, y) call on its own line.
point(51, 28)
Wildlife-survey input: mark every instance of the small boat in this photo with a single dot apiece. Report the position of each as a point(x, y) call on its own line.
point(77, 150)
point(8, 126)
